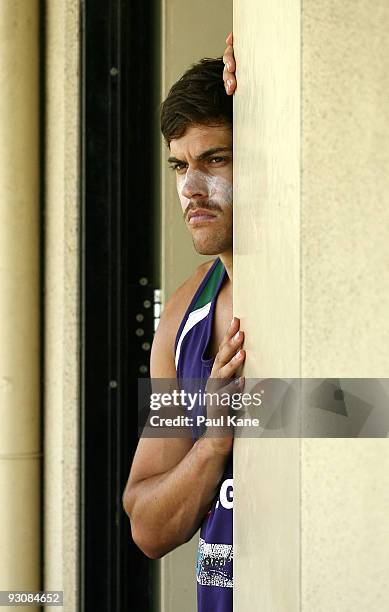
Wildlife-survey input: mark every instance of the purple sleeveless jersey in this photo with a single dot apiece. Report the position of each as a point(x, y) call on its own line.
point(214, 562)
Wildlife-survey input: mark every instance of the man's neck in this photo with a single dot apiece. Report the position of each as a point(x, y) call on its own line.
point(226, 259)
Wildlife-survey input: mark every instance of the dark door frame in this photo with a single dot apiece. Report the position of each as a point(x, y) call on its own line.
point(119, 264)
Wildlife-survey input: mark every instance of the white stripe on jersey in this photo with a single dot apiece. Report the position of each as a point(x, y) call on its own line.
point(194, 317)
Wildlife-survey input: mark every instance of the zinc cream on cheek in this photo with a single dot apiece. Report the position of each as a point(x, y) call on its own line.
point(218, 190)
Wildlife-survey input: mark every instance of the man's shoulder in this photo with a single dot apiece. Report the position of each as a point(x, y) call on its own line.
point(162, 351)
point(177, 305)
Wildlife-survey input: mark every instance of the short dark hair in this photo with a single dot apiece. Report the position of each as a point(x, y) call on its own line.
point(197, 98)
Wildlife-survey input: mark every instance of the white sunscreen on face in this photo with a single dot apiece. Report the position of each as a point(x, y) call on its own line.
point(218, 190)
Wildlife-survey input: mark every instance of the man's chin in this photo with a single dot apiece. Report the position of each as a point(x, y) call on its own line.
point(207, 251)
point(211, 249)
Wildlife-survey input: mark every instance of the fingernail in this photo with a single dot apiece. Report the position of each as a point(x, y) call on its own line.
point(229, 83)
point(236, 336)
point(238, 354)
point(228, 66)
point(237, 381)
point(232, 321)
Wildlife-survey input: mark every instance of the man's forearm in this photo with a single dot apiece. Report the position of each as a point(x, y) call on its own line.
point(166, 509)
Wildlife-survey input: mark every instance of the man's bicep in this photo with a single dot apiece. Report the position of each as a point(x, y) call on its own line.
point(158, 455)
point(162, 350)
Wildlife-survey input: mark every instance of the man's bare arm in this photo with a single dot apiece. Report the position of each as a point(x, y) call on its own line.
point(173, 482)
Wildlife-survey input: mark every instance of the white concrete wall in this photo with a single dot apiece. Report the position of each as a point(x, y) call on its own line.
point(267, 293)
point(345, 294)
point(311, 284)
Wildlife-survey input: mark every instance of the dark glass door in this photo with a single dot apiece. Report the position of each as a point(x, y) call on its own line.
point(120, 222)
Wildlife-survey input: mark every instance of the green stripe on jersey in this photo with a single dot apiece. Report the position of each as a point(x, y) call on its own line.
point(209, 290)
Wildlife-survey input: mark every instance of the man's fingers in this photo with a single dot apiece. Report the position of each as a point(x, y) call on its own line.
point(230, 358)
point(230, 84)
point(230, 347)
point(236, 386)
point(229, 60)
point(229, 79)
point(230, 39)
point(219, 412)
point(229, 66)
point(228, 370)
point(230, 355)
point(230, 333)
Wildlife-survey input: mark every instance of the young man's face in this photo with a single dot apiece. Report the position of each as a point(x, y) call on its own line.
point(202, 160)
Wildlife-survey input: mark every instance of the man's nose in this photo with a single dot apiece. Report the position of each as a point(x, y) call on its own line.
point(195, 185)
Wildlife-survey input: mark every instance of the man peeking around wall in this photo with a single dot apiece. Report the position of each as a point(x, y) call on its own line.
point(178, 485)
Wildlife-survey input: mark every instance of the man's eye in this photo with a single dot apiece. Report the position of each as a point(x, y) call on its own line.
point(178, 167)
point(217, 160)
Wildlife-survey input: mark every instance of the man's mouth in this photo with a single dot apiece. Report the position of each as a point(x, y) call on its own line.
point(200, 215)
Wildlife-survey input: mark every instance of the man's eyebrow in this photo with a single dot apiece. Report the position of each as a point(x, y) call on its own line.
point(210, 152)
point(203, 155)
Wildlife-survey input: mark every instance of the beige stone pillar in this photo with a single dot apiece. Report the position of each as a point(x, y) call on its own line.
point(62, 256)
point(20, 445)
point(311, 285)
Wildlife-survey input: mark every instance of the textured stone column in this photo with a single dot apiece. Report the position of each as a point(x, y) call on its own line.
point(20, 444)
point(62, 313)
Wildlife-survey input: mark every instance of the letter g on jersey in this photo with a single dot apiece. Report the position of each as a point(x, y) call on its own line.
point(227, 494)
